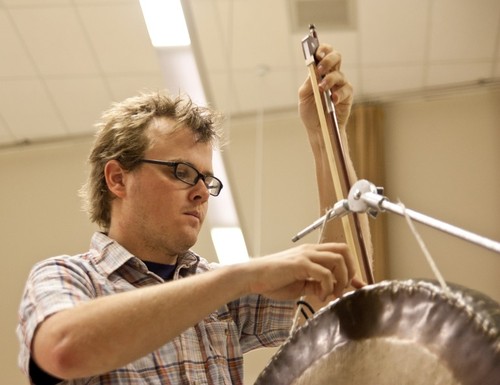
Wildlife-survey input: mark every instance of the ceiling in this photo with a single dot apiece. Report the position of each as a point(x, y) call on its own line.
point(64, 61)
point(389, 46)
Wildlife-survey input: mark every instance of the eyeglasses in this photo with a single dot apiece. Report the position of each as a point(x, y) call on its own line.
point(189, 175)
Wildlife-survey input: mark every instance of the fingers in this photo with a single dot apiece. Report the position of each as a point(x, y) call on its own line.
point(318, 269)
point(331, 267)
point(329, 60)
point(332, 78)
point(357, 283)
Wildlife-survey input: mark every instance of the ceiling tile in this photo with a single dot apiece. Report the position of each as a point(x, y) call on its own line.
point(28, 110)
point(124, 86)
point(210, 24)
point(463, 30)
point(274, 90)
point(378, 80)
point(392, 31)
point(262, 42)
point(55, 40)
point(35, 3)
point(458, 72)
point(119, 38)
point(101, 2)
point(15, 61)
point(222, 92)
point(80, 101)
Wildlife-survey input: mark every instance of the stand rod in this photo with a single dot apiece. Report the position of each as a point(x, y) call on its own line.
point(381, 203)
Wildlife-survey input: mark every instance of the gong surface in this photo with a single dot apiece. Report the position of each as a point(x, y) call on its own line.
point(395, 332)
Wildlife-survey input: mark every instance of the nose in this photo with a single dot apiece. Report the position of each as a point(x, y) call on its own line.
point(199, 191)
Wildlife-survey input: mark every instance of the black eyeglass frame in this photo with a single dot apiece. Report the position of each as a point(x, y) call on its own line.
point(199, 175)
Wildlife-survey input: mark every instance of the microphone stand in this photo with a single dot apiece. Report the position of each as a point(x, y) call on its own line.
point(365, 197)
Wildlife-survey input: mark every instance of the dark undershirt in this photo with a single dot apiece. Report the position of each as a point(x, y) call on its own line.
point(164, 271)
point(39, 376)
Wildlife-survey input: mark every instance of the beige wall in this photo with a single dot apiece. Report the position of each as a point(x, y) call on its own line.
point(442, 159)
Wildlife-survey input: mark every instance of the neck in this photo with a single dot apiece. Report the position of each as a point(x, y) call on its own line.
point(140, 248)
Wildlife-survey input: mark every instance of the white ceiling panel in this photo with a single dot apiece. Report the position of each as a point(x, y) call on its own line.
point(80, 101)
point(441, 74)
point(125, 86)
point(35, 3)
point(223, 91)
point(379, 80)
point(119, 38)
point(15, 60)
point(215, 53)
point(260, 34)
point(97, 2)
point(270, 90)
point(393, 45)
point(389, 31)
point(28, 111)
point(55, 40)
point(463, 30)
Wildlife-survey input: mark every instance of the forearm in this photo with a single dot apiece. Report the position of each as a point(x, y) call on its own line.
point(326, 191)
point(106, 333)
point(334, 231)
point(109, 332)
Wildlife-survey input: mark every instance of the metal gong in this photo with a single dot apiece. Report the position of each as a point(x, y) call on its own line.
point(395, 332)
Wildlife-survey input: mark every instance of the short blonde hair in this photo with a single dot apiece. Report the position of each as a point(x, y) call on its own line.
point(122, 135)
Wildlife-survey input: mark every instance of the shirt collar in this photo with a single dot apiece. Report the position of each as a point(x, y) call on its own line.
point(109, 256)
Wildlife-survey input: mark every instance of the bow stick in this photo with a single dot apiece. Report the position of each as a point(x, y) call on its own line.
point(355, 236)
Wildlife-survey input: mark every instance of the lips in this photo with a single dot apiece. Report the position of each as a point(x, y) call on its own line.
point(194, 213)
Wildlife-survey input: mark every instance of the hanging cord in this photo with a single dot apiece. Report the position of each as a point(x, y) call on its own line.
point(303, 304)
point(424, 249)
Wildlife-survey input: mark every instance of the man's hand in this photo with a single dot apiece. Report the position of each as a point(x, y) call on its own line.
point(329, 77)
point(310, 269)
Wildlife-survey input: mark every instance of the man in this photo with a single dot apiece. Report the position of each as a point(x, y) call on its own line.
point(108, 317)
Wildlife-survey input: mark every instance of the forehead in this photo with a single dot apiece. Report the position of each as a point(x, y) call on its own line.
point(163, 127)
point(165, 136)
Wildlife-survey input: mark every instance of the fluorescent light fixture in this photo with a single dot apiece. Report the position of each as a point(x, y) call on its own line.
point(229, 245)
point(165, 22)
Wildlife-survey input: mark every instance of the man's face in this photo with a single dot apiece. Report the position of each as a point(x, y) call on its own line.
point(165, 214)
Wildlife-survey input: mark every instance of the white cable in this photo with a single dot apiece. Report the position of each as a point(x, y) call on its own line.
point(424, 249)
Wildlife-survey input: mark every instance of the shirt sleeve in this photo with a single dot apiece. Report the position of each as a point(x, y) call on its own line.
point(53, 285)
point(262, 321)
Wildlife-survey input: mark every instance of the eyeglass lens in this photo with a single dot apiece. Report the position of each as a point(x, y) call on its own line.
point(190, 175)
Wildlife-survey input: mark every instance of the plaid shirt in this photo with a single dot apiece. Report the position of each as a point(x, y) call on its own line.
point(210, 352)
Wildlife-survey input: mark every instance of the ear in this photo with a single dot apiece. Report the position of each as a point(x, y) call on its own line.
point(115, 178)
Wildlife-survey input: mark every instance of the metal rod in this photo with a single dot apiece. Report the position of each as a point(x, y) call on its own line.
point(379, 202)
point(337, 211)
point(363, 197)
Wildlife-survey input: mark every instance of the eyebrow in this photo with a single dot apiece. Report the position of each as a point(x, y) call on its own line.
point(209, 173)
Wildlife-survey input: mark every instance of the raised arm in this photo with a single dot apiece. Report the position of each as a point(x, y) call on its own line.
point(330, 78)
